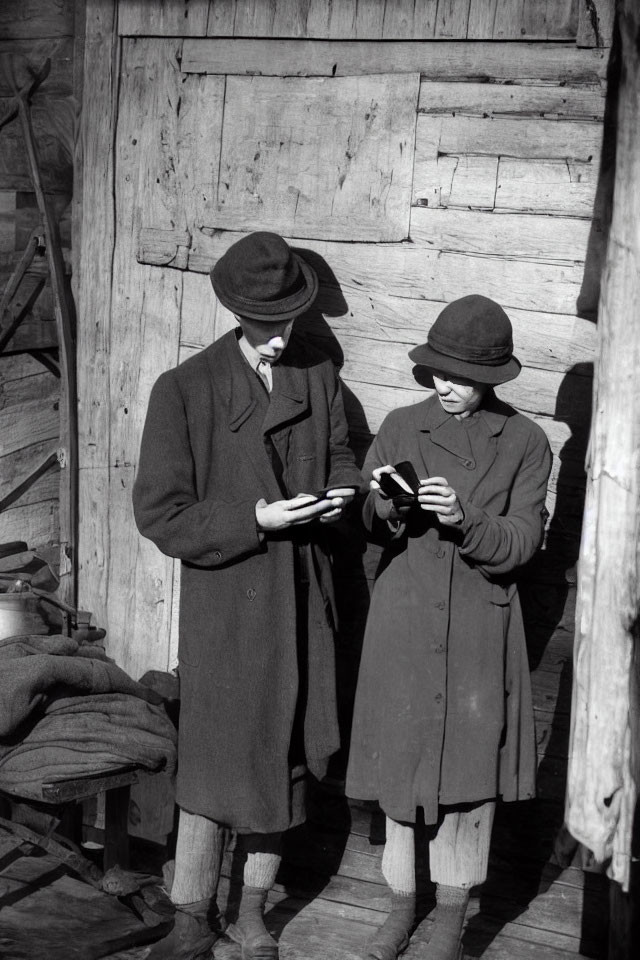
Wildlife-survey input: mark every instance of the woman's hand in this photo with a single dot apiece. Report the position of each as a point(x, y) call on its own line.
point(377, 472)
point(392, 511)
point(436, 496)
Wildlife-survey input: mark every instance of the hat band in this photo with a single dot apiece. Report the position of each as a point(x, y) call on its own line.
point(296, 288)
point(491, 356)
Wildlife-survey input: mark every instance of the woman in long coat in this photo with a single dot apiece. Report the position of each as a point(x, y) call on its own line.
point(443, 717)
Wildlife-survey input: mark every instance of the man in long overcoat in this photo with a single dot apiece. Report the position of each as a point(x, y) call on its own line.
point(233, 437)
point(443, 717)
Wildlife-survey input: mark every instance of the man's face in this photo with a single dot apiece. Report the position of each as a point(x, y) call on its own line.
point(268, 338)
point(458, 396)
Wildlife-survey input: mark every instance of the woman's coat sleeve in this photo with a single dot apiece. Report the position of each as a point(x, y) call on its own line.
point(499, 544)
point(209, 532)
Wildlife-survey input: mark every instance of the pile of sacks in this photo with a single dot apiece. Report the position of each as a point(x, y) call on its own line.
point(68, 711)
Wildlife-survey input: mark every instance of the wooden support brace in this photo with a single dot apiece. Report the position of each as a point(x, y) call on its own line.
point(17, 314)
point(23, 485)
point(34, 241)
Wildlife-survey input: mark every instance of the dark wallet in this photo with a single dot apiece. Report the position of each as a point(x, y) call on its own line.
point(392, 488)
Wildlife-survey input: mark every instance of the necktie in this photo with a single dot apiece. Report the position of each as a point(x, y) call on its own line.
point(264, 372)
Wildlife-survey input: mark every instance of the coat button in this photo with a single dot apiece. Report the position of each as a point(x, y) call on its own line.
point(217, 555)
point(251, 593)
point(440, 553)
point(438, 698)
point(440, 604)
point(469, 464)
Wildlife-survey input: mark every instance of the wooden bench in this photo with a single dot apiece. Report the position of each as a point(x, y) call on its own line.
point(54, 803)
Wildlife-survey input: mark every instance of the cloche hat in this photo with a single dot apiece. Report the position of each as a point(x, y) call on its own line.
point(471, 338)
point(262, 278)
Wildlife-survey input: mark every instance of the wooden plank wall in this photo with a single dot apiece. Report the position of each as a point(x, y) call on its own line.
point(31, 31)
point(587, 21)
point(504, 184)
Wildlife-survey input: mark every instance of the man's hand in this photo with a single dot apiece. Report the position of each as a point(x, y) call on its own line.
point(438, 497)
point(340, 497)
point(288, 513)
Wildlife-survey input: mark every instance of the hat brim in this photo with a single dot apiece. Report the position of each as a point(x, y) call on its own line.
point(426, 356)
point(275, 311)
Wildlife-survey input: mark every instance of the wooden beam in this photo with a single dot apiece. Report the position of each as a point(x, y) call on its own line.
point(371, 20)
point(508, 235)
point(411, 270)
point(602, 793)
point(434, 60)
point(93, 293)
point(581, 102)
point(145, 320)
point(526, 139)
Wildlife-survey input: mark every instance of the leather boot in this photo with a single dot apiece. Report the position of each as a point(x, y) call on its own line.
point(196, 929)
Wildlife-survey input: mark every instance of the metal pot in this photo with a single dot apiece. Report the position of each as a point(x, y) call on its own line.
point(20, 615)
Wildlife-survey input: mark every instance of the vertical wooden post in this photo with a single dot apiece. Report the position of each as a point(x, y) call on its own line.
point(95, 230)
point(602, 791)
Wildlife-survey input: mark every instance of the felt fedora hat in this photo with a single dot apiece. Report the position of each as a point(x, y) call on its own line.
point(471, 338)
point(260, 277)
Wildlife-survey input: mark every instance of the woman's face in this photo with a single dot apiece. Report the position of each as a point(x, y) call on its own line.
point(458, 396)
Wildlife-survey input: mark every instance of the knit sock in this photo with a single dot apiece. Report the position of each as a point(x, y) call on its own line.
point(399, 857)
point(199, 853)
point(398, 869)
point(260, 869)
point(249, 929)
point(448, 918)
point(392, 937)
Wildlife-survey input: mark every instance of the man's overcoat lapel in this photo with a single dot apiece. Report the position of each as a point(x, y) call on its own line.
point(244, 416)
point(289, 397)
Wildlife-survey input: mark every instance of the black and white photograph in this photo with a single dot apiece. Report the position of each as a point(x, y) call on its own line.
point(319, 479)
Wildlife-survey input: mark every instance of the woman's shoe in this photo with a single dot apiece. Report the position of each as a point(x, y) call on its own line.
point(445, 941)
point(392, 938)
